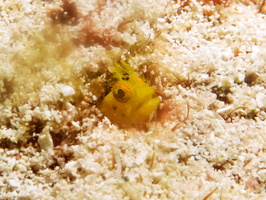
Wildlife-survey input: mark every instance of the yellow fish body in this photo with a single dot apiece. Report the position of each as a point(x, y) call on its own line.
point(132, 102)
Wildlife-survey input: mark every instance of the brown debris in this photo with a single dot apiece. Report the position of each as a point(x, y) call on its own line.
point(67, 14)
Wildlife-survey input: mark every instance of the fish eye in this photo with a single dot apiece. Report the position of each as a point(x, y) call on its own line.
point(121, 92)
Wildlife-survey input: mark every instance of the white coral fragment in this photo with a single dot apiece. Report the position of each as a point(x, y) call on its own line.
point(66, 90)
point(14, 183)
point(261, 100)
point(45, 140)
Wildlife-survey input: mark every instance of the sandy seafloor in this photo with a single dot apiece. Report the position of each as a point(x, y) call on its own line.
point(207, 63)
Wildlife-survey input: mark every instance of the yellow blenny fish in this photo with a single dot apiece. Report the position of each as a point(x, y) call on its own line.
point(132, 102)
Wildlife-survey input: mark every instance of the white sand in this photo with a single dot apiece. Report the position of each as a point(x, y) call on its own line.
point(55, 143)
